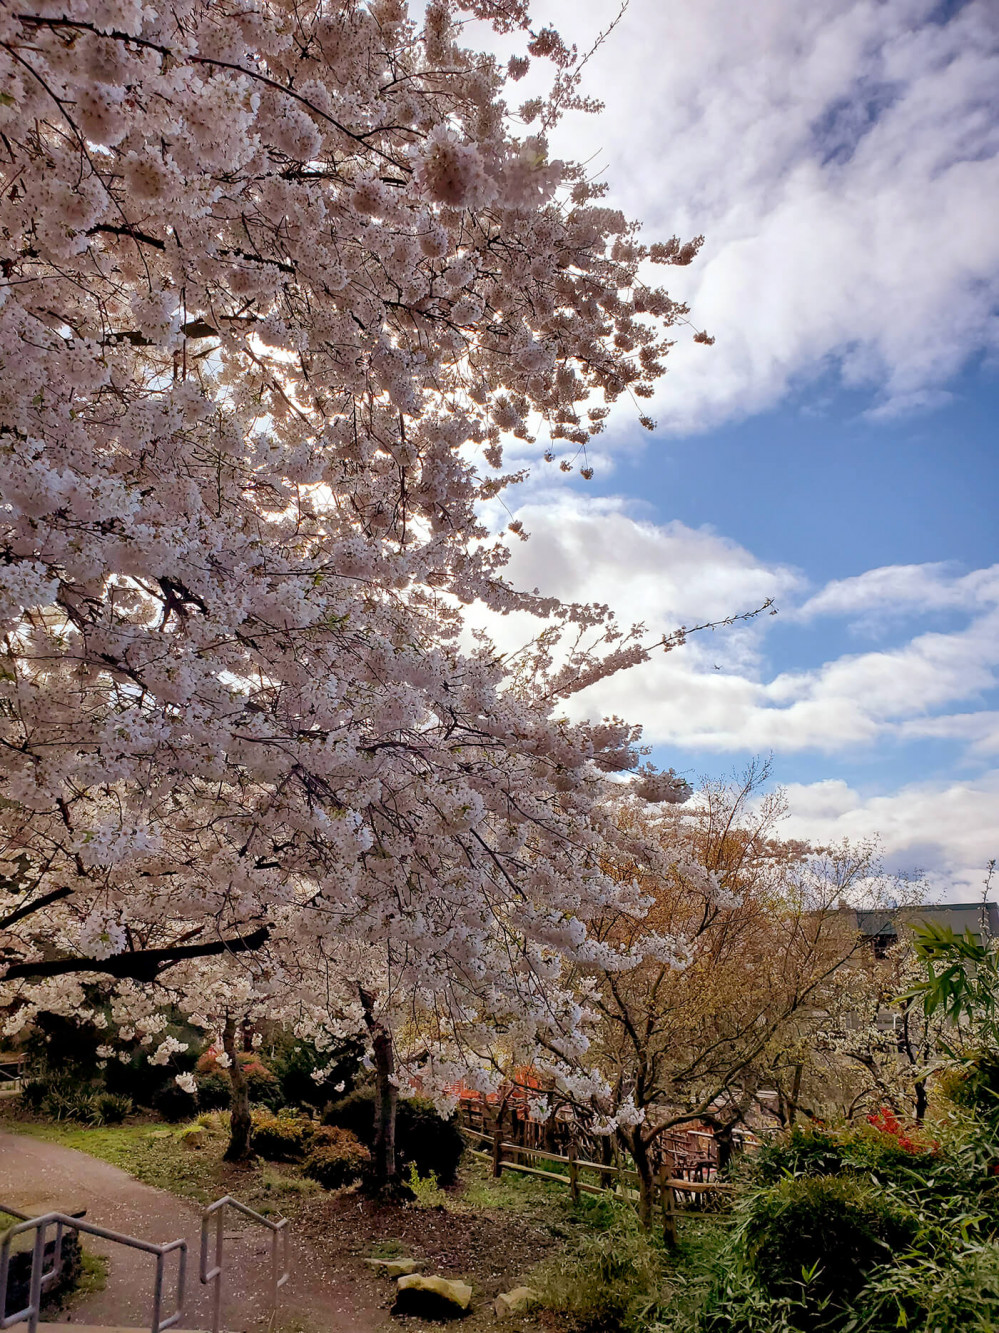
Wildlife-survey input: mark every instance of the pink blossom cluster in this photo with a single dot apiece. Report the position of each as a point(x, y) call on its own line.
point(277, 279)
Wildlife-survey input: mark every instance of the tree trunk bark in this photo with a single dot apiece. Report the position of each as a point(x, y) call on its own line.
point(384, 1167)
point(724, 1145)
point(921, 1100)
point(386, 1103)
point(240, 1123)
point(796, 1090)
point(639, 1150)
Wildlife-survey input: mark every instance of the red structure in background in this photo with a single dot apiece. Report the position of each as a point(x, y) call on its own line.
point(690, 1151)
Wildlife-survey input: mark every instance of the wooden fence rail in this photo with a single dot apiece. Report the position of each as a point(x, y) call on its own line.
point(674, 1196)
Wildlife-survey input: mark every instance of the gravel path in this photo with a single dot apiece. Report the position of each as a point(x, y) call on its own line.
point(320, 1296)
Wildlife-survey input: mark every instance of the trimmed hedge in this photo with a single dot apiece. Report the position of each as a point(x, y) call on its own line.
point(337, 1158)
point(281, 1138)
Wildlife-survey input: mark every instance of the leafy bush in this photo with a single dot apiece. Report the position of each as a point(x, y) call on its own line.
point(428, 1141)
point(281, 1138)
point(355, 1112)
point(173, 1103)
point(336, 1158)
point(827, 1230)
point(295, 1060)
point(214, 1091)
point(974, 1085)
point(65, 1099)
point(610, 1279)
point(901, 1237)
point(68, 1101)
point(424, 1139)
point(262, 1084)
point(33, 1093)
point(880, 1147)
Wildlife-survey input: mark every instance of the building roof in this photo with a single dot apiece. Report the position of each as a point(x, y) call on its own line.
point(959, 916)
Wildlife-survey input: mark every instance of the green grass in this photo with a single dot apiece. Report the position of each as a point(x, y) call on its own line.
point(479, 1188)
point(93, 1277)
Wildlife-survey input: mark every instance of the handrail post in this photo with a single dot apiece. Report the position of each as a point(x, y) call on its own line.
point(279, 1252)
point(35, 1286)
point(217, 1294)
point(158, 1294)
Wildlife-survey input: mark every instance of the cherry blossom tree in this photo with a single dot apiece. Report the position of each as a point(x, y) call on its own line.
point(279, 280)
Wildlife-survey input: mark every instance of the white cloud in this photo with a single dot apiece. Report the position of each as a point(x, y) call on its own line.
point(905, 589)
point(948, 830)
point(842, 159)
point(719, 692)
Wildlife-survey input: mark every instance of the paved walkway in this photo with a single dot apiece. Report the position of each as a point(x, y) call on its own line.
point(319, 1298)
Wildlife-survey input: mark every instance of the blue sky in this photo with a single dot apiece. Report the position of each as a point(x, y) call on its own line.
point(836, 448)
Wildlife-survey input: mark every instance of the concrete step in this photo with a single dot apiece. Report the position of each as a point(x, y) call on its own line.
point(104, 1328)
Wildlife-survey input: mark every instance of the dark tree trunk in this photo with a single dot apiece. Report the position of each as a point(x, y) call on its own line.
point(385, 1178)
point(642, 1158)
point(240, 1124)
point(921, 1100)
point(724, 1145)
point(386, 1102)
point(796, 1090)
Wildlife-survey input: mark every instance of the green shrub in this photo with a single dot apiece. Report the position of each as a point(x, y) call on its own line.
point(424, 1139)
point(610, 1279)
point(428, 1141)
point(113, 1108)
point(854, 1149)
point(65, 1102)
point(827, 1231)
point(355, 1112)
point(173, 1103)
point(262, 1084)
point(214, 1091)
point(281, 1138)
point(295, 1060)
point(33, 1093)
point(336, 1158)
point(974, 1085)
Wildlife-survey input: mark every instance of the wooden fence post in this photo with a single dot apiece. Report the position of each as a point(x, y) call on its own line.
point(573, 1171)
point(668, 1200)
point(498, 1149)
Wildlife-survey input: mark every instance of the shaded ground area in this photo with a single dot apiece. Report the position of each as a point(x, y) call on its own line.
point(492, 1250)
point(321, 1296)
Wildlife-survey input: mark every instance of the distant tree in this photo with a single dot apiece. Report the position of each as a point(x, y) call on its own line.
point(734, 956)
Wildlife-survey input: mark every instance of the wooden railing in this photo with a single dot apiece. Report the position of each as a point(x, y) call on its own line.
point(674, 1196)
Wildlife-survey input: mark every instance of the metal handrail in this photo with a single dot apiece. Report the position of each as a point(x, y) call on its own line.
point(279, 1236)
point(47, 1277)
point(39, 1278)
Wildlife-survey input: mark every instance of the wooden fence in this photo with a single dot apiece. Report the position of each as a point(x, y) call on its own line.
point(674, 1196)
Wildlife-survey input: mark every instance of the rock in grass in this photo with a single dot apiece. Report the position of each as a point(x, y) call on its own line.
point(393, 1267)
point(432, 1297)
point(515, 1302)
